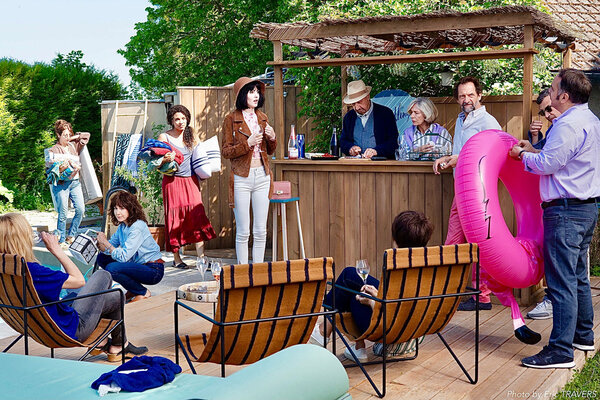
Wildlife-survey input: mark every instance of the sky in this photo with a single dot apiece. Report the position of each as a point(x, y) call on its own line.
point(37, 30)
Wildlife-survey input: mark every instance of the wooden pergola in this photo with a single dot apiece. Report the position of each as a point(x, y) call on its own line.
point(394, 39)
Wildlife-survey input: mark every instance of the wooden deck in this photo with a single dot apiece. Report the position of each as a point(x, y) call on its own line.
point(433, 375)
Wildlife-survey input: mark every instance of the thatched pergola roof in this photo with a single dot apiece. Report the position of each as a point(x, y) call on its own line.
point(491, 27)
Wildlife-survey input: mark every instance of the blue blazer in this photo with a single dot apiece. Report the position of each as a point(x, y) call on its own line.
point(384, 125)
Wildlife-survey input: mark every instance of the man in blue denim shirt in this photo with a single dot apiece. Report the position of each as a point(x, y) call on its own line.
point(569, 165)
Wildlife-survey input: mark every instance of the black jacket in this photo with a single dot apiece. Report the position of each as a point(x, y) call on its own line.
point(384, 125)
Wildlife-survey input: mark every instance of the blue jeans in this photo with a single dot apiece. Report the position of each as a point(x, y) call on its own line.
point(132, 275)
point(62, 193)
point(568, 231)
point(346, 301)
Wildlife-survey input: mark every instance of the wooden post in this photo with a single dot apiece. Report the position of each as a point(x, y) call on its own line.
point(566, 58)
point(527, 78)
point(278, 101)
point(344, 84)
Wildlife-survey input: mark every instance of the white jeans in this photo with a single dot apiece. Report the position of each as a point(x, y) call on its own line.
point(255, 187)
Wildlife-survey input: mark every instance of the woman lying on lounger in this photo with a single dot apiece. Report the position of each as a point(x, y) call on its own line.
point(409, 229)
point(79, 320)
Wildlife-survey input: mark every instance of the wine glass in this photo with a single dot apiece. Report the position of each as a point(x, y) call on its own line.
point(363, 269)
point(202, 265)
point(215, 267)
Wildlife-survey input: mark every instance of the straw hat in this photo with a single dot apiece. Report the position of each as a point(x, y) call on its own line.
point(357, 90)
point(243, 81)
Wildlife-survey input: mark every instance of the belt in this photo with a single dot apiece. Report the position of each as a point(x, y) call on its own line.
point(569, 202)
point(159, 261)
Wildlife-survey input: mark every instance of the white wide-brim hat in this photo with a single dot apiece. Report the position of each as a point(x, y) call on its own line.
point(357, 90)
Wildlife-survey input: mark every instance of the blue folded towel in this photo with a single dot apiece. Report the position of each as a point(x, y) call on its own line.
point(150, 143)
point(159, 370)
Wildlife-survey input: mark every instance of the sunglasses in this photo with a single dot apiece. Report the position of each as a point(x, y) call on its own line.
point(543, 111)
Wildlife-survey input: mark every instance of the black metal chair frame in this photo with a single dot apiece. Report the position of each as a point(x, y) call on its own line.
point(381, 393)
point(26, 309)
point(222, 325)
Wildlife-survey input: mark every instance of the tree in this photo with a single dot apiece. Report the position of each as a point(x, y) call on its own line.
point(201, 42)
point(34, 96)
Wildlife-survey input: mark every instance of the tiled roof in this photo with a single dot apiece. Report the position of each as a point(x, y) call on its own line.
point(582, 16)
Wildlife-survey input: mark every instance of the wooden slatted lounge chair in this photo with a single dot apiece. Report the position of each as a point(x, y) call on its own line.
point(262, 308)
point(23, 311)
point(419, 293)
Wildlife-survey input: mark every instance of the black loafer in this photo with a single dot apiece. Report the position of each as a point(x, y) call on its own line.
point(130, 350)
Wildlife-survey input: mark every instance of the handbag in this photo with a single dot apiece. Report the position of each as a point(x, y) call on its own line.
point(282, 190)
point(206, 158)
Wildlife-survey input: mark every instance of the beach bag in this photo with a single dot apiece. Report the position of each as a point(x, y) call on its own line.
point(206, 158)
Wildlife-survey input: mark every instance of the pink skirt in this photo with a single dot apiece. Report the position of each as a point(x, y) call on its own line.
point(185, 219)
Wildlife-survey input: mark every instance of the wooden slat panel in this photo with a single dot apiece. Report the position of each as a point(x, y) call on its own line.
point(307, 210)
point(384, 215)
point(416, 192)
point(336, 220)
point(368, 219)
point(433, 211)
point(352, 226)
point(447, 198)
point(320, 214)
point(514, 114)
point(498, 110)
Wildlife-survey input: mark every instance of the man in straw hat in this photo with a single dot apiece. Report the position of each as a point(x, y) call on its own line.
point(369, 129)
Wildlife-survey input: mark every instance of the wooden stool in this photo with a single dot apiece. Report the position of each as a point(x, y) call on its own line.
point(280, 204)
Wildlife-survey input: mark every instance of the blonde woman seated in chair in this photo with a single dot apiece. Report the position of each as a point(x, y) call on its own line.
point(409, 229)
point(79, 320)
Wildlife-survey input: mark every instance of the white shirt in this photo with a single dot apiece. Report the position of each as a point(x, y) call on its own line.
point(474, 122)
point(365, 117)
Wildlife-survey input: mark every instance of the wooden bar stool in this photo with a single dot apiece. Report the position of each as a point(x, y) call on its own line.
point(280, 204)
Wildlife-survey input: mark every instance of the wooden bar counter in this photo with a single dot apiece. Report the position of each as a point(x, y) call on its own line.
point(347, 205)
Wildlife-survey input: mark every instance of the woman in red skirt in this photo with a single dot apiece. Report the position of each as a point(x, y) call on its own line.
point(185, 218)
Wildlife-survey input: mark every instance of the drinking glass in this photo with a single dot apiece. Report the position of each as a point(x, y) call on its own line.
point(202, 265)
point(363, 269)
point(215, 267)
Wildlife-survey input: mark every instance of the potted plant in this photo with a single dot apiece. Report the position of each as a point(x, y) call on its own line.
point(148, 183)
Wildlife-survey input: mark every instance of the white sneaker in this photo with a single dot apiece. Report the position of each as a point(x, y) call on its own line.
point(361, 354)
point(317, 338)
point(542, 311)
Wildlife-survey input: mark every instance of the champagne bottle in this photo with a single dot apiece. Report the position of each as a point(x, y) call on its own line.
point(293, 145)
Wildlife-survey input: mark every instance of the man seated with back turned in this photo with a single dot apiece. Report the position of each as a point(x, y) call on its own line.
point(369, 129)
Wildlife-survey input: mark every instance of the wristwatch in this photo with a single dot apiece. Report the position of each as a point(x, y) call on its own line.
point(521, 154)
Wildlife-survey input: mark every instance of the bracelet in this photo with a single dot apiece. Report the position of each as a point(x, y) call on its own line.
point(521, 153)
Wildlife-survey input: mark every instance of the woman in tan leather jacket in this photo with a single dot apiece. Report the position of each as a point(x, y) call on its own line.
point(248, 141)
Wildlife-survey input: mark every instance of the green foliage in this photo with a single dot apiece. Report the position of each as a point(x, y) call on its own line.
point(595, 252)
point(585, 383)
point(6, 198)
point(148, 182)
point(200, 42)
point(33, 98)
